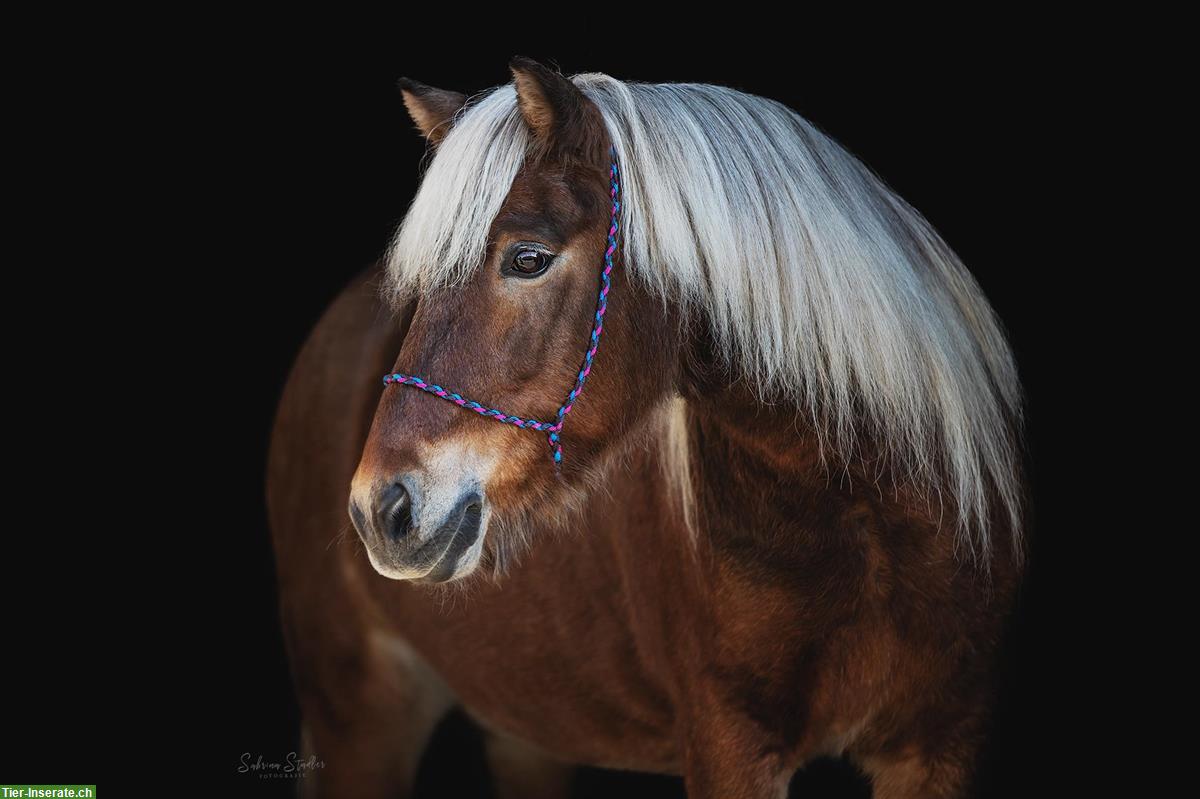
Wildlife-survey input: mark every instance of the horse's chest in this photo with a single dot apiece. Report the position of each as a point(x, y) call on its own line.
point(558, 668)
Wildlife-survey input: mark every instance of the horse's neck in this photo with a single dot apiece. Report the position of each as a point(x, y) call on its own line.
point(764, 485)
point(771, 503)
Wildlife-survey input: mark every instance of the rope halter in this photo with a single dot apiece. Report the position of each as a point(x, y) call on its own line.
point(552, 431)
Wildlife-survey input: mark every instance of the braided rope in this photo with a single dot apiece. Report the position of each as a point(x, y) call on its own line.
point(552, 431)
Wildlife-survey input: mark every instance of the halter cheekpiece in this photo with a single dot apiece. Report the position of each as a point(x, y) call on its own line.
point(552, 431)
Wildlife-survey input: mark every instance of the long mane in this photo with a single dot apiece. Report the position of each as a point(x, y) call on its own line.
point(822, 286)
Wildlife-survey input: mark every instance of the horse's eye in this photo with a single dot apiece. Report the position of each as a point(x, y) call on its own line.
point(529, 262)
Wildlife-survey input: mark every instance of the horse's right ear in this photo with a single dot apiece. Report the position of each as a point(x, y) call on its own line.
point(431, 109)
point(558, 114)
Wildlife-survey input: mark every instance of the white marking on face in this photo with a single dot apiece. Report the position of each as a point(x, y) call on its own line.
point(450, 469)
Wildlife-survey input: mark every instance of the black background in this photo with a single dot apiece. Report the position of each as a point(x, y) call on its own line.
point(299, 160)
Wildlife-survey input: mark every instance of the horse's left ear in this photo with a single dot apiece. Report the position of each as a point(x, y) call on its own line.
point(431, 109)
point(563, 121)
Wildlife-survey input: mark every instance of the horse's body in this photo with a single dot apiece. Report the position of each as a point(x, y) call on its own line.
point(802, 610)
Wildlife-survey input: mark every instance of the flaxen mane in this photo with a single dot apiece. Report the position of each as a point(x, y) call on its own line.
point(821, 285)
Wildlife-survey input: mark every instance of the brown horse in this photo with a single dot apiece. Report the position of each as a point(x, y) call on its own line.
point(786, 523)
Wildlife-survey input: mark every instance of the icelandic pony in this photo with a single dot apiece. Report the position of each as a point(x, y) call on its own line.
point(787, 518)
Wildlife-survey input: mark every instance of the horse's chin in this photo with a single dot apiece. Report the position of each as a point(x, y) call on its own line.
point(444, 568)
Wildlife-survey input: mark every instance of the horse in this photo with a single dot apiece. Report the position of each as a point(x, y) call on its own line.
point(782, 520)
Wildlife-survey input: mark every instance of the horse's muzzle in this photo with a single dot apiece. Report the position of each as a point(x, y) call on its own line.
point(420, 532)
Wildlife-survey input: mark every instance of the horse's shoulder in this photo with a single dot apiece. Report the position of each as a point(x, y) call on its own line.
point(329, 398)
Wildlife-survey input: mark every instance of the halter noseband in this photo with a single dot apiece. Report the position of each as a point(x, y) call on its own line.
point(552, 431)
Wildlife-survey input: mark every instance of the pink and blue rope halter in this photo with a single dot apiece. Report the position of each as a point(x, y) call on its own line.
point(554, 430)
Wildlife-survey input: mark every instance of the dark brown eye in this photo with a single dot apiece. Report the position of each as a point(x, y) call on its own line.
point(529, 262)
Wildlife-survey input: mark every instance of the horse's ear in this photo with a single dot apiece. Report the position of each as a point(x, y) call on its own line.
point(431, 109)
point(562, 119)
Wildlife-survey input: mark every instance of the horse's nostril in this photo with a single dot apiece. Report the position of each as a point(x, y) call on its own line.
point(358, 518)
point(471, 517)
point(395, 512)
